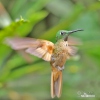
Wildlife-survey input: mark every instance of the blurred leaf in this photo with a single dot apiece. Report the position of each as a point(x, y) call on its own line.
point(60, 8)
point(33, 19)
point(11, 29)
point(65, 24)
point(31, 6)
point(95, 6)
point(5, 19)
point(18, 72)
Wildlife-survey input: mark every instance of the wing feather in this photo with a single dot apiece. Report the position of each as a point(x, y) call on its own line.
point(72, 50)
point(37, 47)
point(36, 52)
point(22, 43)
point(47, 56)
point(73, 41)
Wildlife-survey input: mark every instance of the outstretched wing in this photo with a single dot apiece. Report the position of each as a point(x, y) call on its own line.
point(72, 42)
point(40, 48)
point(72, 50)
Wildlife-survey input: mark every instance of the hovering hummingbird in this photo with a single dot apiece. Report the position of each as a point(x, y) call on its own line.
point(56, 54)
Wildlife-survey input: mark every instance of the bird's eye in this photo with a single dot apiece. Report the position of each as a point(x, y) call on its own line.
point(62, 33)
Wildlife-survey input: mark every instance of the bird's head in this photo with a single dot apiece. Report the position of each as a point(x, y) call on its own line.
point(63, 34)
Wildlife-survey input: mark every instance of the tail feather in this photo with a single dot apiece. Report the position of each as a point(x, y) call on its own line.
point(56, 85)
point(52, 86)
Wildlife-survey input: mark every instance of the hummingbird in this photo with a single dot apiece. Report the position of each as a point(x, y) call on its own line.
point(55, 53)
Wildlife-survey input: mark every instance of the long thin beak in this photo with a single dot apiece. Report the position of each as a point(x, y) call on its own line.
point(70, 32)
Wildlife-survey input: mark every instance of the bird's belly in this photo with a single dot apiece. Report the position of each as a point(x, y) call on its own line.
point(59, 59)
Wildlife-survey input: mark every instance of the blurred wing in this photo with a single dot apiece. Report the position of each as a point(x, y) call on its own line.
point(21, 43)
point(74, 41)
point(40, 48)
point(72, 50)
point(43, 50)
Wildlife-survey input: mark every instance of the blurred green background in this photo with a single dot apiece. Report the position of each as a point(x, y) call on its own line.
point(26, 77)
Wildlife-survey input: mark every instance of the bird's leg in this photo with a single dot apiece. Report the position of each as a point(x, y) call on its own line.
point(63, 67)
point(60, 68)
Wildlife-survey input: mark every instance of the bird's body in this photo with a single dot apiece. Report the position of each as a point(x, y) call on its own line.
point(60, 53)
point(58, 59)
point(56, 54)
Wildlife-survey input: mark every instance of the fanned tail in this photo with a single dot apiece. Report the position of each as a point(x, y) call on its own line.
point(56, 83)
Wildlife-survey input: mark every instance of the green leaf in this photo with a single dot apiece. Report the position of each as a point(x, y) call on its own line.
point(11, 29)
point(33, 19)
